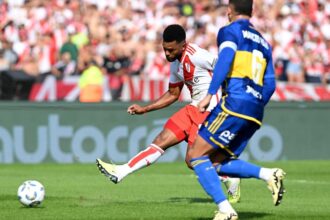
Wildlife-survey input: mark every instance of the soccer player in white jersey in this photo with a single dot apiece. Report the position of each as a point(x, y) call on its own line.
point(191, 66)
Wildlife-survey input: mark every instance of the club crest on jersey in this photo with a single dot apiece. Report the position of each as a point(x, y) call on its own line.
point(196, 80)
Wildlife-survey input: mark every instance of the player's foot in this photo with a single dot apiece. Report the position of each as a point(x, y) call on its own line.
point(275, 185)
point(234, 189)
point(225, 216)
point(109, 170)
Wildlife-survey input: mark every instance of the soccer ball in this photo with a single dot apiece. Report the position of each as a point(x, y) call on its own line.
point(31, 193)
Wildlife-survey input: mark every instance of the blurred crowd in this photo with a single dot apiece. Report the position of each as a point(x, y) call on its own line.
point(116, 38)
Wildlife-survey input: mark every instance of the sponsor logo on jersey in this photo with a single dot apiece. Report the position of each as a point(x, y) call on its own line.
point(254, 92)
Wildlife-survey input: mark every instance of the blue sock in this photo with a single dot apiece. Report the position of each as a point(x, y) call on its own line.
point(238, 168)
point(208, 178)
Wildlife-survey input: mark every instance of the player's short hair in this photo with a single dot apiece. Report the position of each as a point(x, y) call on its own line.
point(243, 7)
point(174, 32)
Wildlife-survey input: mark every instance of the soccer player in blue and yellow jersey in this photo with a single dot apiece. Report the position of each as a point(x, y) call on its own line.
point(245, 71)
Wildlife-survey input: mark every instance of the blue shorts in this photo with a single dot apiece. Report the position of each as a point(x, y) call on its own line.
point(227, 133)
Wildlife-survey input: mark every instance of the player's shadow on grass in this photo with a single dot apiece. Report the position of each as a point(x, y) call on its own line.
point(190, 200)
point(252, 215)
point(244, 215)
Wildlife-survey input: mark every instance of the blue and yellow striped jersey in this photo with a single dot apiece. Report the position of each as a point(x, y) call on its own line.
point(249, 81)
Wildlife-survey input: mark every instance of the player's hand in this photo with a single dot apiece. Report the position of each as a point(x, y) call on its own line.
point(202, 105)
point(136, 109)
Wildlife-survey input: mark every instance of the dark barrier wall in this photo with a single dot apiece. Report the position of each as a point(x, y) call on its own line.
point(77, 132)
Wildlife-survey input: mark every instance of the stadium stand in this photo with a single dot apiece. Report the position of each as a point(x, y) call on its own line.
point(62, 38)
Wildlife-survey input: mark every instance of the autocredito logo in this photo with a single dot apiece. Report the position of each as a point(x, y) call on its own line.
point(57, 141)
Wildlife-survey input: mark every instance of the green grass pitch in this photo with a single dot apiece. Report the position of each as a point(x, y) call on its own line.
point(162, 191)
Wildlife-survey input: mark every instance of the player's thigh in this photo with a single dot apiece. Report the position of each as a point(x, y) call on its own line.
point(179, 123)
point(197, 118)
point(244, 135)
point(199, 148)
point(165, 139)
point(227, 133)
point(175, 130)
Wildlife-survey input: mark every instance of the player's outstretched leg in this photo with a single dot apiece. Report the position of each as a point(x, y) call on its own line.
point(275, 185)
point(273, 177)
point(233, 186)
point(109, 170)
point(118, 172)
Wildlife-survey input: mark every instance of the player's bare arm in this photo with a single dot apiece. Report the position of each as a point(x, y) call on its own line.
point(171, 96)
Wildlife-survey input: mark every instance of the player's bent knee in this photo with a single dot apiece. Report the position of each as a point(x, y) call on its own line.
point(200, 148)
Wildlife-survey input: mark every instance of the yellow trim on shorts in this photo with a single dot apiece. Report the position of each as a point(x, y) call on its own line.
point(220, 122)
point(223, 147)
point(237, 114)
point(213, 123)
point(217, 122)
